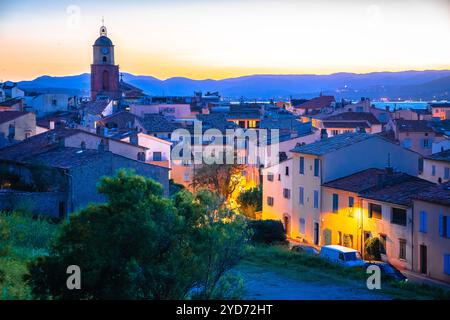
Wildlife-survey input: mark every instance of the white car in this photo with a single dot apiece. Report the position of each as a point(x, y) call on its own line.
point(342, 255)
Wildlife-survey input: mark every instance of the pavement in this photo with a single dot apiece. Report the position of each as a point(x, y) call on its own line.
point(420, 278)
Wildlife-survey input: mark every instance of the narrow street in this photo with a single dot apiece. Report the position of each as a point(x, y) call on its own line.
point(263, 284)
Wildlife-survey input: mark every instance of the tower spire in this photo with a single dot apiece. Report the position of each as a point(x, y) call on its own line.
point(103, 30)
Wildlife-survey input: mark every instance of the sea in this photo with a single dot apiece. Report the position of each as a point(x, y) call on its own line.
point(400, 104)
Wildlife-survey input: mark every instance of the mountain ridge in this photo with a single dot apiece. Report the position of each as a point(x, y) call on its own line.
point(410, 84)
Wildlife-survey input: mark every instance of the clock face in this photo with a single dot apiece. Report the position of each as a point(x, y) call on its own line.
point(105, 50)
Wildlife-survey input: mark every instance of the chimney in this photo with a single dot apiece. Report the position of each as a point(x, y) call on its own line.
point(134, 139)
point(380, 181)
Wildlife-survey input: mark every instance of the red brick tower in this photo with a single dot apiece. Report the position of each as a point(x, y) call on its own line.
point(104, 73)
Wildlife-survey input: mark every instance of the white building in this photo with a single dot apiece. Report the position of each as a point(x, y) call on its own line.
point(320, 162)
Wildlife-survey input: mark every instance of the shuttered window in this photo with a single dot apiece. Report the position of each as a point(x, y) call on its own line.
point(447, 264)
point(302, 165)
point(423, 222)
point(335, 202)
point(316, 199)
point(301, 195)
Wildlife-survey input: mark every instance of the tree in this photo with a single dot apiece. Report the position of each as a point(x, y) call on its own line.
point(221, 178)
point(373, 248)
point(140, 245)
point(250, 201)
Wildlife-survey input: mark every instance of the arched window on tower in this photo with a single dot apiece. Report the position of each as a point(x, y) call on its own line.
point(105, 59)
point(105, 80)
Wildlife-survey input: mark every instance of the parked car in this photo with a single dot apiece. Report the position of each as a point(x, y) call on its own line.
point(342, 255)
point(388, 270)
point(305, 249)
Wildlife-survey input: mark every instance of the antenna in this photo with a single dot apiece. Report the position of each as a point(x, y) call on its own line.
point(103, 20)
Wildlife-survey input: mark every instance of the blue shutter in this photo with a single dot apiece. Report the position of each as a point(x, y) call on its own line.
point(316, 199)
point(447, 263)
point(300, 195)
point(441, 225)
point(302, 165)
point(447, 235)
point(423, 222)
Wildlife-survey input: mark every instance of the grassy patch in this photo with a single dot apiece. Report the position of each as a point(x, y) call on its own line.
point(311, 268)
point(22, 238)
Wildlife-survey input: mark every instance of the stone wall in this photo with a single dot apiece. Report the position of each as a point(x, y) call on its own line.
point(46, 203)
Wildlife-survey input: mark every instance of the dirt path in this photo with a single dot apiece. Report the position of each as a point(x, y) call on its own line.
point(263, 284)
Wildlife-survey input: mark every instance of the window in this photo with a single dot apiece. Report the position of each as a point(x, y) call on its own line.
point(302, 226)
point(316, 167)
point(104, 59)
point(367, 235)
point(351, 202)
point(374, 211)
point(157, 156)
point(433, 170)
point(423, 222)
point(407, 143)
point(316, 199)
point(141, 156)
point(447, 173)
point(301, 195)
point(339, 238)
point(270, 176)
point(286, 193)
point(334, 132)
point(54, 102)
point(383, 239)
point(426, 143)
point(348, 240)
point(402, 249)
point(398, 216)
point(447, 263)
point(444, 226)
point(302, 165)
point(186, 177)
point(270, 201)
point(335, 202)
point(287, 171)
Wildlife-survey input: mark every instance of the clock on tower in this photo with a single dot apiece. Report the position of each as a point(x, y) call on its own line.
point(104, 73)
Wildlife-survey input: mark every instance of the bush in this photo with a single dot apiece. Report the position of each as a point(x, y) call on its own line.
point(373, 249)
point(250, 201)
point(141, 245)
point(267, 232)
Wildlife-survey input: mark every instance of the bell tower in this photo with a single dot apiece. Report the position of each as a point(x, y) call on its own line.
point(104, 72)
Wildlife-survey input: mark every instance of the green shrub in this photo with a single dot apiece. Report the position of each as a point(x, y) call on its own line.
point(250, 201)
point(373, 249)
point(267, 232)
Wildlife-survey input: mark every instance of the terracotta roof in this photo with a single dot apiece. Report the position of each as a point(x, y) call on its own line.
point(378, 184)
point(154, 122)
point(95, 107)
point(6, 116)
point(121, 118)
point(440, 156)
point(440, 105)
point(414, 125)
point(35, 145)
point(65, 158)
point(215, 121)
point(10, 102)
point(353, 116)
point(317, 103)
point(346, 124)
point(439, 194)
point(328, 145)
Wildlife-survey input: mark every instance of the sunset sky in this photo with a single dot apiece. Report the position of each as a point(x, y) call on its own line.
point(219, 39)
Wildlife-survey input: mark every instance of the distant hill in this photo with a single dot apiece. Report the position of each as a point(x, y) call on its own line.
point(426, 85)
